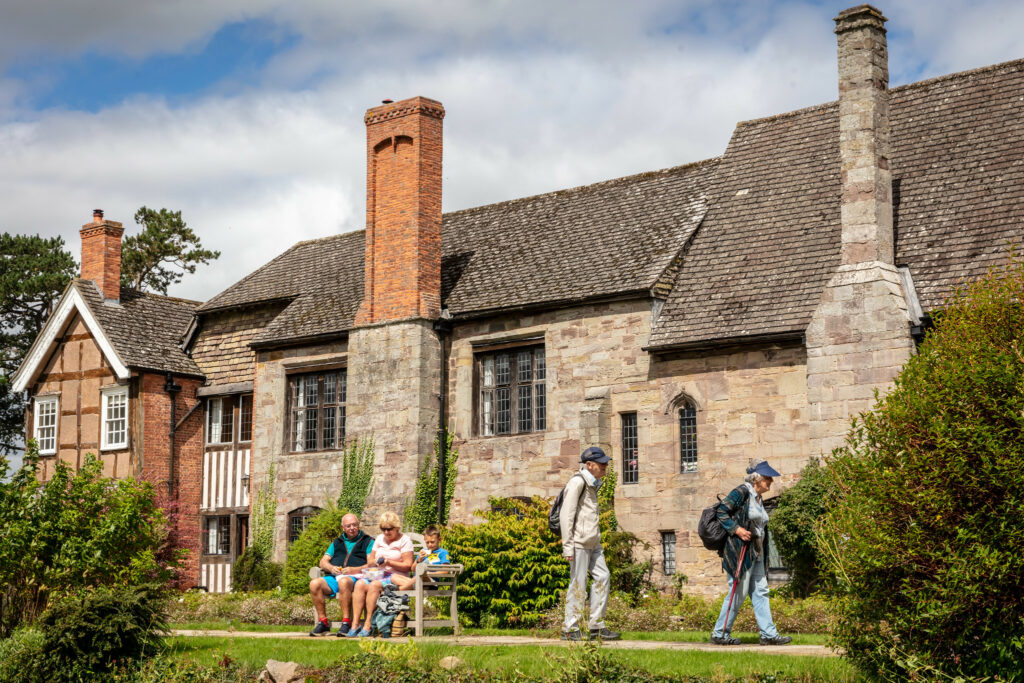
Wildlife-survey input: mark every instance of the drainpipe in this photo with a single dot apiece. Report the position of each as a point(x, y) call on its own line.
point(171, 388)
point(443, 327)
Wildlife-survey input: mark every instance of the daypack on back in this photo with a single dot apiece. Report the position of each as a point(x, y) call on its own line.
point(554, 516)
point(710, 530)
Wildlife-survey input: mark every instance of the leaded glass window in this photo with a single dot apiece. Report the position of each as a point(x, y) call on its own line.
point(513, 396)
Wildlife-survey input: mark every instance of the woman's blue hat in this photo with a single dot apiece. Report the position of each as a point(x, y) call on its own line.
point(762, 468)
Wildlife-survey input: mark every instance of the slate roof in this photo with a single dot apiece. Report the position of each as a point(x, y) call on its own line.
point(770, 241)
point(144, 329)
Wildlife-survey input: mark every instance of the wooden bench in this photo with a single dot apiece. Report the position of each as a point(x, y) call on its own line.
point(432, 581)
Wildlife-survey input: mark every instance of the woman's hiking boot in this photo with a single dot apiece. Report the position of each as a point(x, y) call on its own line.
point(603, 634)
point(777, 640)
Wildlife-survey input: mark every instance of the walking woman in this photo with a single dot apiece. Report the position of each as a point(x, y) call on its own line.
point(744, 518)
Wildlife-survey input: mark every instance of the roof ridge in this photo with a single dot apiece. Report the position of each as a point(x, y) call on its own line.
point(785, 115)
point(336, 235)
point(165, 297)
point(591, 186)
point(1019, 63)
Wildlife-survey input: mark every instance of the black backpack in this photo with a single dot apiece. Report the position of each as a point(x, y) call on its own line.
point(554, 517)
point(710, 530)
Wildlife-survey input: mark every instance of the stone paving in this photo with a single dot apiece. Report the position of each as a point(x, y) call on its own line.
point(805, 650)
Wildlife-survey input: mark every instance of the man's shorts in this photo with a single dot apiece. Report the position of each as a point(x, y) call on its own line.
point(332, 582)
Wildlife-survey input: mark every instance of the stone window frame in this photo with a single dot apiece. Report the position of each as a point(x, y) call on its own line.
point(222, 402)
point(685, 406)
point(223, 540)
point(303, 515)
point(629, 431)
point(41, 409)
point(107, 396)
point(340, 404)
point(668, 552)
point(486, 385)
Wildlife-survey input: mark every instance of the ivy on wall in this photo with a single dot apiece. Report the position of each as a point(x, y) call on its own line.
point(264, 512)
point(356, 475)
point(421, 510)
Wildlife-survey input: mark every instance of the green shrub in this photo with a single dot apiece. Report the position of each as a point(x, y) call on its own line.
point(925, 541)
point(308, 548)
point(513, 565)
point(253, 572)
point(77, 530)
point(264, 513)
point(23, 656)
point(89, 634)
point(421, 511)
point(793, 522)
point(628, 576)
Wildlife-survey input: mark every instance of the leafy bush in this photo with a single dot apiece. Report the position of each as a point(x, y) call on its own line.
point(422, 509)
point(78, 530)
point(264, 512)
point(254, 572)
point(267, 607)
point(628, 576)
point(793, 522)
point(513, 565)
point(925, 541)
point(356, 475)
point(23, 656)
point(89, 634)
point(308, 548)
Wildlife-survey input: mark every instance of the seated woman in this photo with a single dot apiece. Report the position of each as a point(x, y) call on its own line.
point(392, 553)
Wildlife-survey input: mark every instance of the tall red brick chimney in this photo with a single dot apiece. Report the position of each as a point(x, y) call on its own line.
point(403, 211)
point(101, 254)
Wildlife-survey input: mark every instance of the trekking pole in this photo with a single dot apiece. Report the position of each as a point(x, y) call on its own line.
point(736, 579)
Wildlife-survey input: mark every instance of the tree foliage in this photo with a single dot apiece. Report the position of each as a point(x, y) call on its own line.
point(162, 252)
point(421, 511)
point(356, 475)
point(925, 541)
point(800, 508)
point(513, 566)
point(34, 271)
point(76, 531)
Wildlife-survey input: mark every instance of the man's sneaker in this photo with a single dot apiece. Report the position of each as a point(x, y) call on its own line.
point(777, 640)
point(603, 634)
point(724, 640)
point(320, 629)
point(574, 635)
point(343, 629)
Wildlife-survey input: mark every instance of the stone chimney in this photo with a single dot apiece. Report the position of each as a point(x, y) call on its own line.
point(403, 211)
point(101, 254)
point(864, 136)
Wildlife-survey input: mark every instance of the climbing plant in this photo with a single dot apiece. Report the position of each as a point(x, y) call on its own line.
point(356, 475)
point(421, 511)
point(264, 512)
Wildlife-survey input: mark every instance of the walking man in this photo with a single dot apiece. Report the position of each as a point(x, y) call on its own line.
point(581, 547)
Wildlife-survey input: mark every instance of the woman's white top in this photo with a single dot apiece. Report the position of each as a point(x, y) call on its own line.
point(755, 509)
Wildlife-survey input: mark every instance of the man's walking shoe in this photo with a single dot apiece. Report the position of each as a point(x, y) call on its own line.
point(574, 635)
point(320, 629)
point(724, 640)
point(343, 629)
point(603, 634)
point(777, 640)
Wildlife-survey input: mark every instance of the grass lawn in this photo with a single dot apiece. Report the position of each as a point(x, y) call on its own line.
point(660, 636)
point(530, 660)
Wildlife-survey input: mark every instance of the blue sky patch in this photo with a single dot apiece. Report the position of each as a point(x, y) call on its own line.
point(232, 59)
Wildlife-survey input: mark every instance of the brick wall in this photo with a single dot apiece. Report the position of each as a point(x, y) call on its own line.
point(101, 255)
point(403, 211)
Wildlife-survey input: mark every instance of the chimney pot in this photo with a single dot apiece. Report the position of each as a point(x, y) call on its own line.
point(97, 215)
point(386, 101)
point(101, 254)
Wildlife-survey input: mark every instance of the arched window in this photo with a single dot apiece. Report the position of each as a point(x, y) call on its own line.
point(299, 519)
point(687, 436)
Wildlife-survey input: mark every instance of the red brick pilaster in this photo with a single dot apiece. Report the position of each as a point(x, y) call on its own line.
point(101, 254)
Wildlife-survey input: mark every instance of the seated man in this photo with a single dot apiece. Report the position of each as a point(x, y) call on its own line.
point(393, 557)
point(432, 553)
point(347, 555)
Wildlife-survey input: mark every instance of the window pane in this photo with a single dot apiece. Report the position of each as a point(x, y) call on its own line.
point(46, 425)
point(298, 430)
point(541, 364)
point(630, 454)
point(311, 385)
point(330, 388)
point(329, 426)
point(227, 417)
point(524, 366)
point(668, 552)
point(213, 422)
point(245, 418)
point(343, 379)
point(115, 419)
point(487, 407)
point(688, 439)
point(502, 373)
point(218, 535)
point(503, 419)
point(310, 429)
point(488, 366)
point(525, 408)
point(542, 408)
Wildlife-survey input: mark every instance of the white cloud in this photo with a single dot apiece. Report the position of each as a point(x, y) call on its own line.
point(539, 96)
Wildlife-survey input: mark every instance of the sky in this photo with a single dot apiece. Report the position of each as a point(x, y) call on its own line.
point(246, 115)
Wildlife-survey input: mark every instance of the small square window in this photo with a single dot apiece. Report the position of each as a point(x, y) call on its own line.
point(114, 431)
point(668, 552)
point(217, 535)
point(630, 449)
point(219, 414)
point(46, 425)
point(512, 393)
point(316, 411)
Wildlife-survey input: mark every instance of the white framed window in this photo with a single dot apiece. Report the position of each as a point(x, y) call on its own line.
point(46, 425)
point(114, 430)
point(219, 419)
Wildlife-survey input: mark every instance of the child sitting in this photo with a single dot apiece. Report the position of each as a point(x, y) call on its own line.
point(432, 553)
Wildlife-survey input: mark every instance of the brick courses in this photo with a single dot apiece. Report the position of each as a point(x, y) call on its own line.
point(101, 254)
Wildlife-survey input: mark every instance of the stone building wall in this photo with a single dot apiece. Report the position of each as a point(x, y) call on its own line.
point(751, 404)
point(302, 479)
